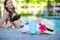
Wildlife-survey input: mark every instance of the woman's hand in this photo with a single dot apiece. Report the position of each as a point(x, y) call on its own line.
point(0, 24)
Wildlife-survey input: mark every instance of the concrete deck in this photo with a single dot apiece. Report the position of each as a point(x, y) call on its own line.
point(15, 34)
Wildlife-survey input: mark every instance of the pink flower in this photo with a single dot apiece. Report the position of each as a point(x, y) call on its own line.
point(42, 27)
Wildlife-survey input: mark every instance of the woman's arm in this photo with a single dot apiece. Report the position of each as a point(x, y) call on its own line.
point(4, 18)
point(7, 25)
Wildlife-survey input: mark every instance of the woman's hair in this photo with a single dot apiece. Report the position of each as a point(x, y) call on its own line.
point(10, 12)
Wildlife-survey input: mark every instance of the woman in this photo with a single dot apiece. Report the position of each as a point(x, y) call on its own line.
point(11, 15)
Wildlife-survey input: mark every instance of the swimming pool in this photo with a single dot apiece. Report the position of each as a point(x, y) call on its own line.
point(56, 22)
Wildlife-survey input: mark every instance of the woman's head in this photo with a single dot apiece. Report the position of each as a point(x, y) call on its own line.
point(8, 4)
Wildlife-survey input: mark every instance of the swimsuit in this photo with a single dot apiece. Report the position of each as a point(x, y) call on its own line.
point(16, 17)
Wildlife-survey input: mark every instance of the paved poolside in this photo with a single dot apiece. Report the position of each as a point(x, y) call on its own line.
point(15, 34)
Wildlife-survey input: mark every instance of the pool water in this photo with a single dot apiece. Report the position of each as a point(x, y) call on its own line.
point(56, 22)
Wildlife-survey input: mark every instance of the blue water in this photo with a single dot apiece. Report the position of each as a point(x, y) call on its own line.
point(56, 22)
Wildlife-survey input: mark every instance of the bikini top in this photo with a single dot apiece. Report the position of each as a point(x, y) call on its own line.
point(16, 17)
